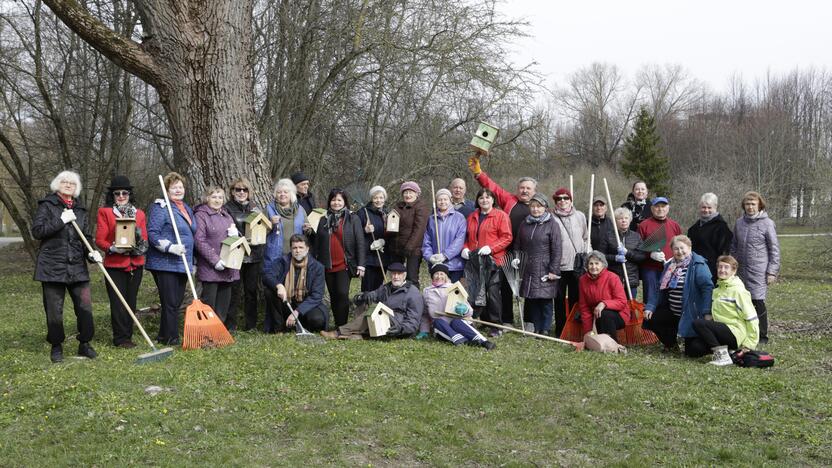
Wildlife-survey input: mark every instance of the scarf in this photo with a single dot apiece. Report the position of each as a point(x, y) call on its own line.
point(296, 276)
point(287, 222)
point(671, 275)
point(563, 213)
point(705, 219)
point(127, 210)
point(69, 204)
point(333, 217)
point(180, 205)
point(540, 219)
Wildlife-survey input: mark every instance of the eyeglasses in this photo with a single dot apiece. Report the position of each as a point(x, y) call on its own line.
point(121, 193)
point(240, 189)
point(562, 198)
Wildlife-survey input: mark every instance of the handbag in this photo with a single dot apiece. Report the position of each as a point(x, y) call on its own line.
point(579, 262)
point(602, 342)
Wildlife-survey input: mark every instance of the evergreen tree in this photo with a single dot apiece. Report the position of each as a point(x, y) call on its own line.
point(642, 155)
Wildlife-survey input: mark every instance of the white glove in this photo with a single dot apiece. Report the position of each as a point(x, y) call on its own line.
point(361, 271)
point(485, 250)
point(437, 258)
point(220, 266)
point(233, 232)
point(657, 256)
point(377, 244)
point(94, 256)
point(465, 254)
point(68, 216)
point(369, 228)
point(515, 263)
point(163, 245)
point(177, 249)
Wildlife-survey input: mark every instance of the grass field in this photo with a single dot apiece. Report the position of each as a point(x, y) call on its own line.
point(269, 400)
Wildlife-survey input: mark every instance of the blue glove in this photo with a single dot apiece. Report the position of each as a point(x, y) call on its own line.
point(421, 335)
point(620, 258)
point(622, 250)
point(460, 309)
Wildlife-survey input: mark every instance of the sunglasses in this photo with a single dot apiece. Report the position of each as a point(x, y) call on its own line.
point(121, 193)
point(562, 198)
point(240, 189)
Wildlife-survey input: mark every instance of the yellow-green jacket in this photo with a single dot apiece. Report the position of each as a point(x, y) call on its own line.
point(732, 306)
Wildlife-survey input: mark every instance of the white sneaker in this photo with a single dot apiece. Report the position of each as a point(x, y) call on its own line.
point(721, 357)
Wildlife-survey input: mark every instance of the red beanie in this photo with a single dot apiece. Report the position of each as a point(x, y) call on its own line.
point(562, 191)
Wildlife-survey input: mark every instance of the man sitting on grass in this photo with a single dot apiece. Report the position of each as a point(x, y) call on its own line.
point(399, 295)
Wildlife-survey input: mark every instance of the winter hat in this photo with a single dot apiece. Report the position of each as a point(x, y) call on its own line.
point(562, 191)
point(410, 185)
point(299, 177)
point(439, 267)
point(540, 199)
point(120, 182)
point(443, 191)
point(376, 189)
point(397, 267)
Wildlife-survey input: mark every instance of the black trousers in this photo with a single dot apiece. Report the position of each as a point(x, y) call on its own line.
point(171, 286)
point(313, 320)
point(507, 298)
point(338, 285)
point(413, 262)
point(665, 324)
point(492, 312)
point(217, 295)
point(272, 323)
point(128, 283)
point(762, 316)
point(567, 284)
point(609, 322)
point(245, 291)
point(53, 304)
point(372, 280)
point(714, 334)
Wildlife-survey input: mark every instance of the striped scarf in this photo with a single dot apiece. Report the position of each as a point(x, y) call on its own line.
point(296, 276)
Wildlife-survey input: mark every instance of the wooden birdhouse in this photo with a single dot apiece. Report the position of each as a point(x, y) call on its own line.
point(379, 321)
point(484, 137)
point(456, 295)
point(234, 249)
point(314, 218)
point(125, 233)
point(392, 221)
point(258, 226)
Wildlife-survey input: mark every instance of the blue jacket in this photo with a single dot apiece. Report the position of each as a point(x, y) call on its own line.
point(465, 208)
point(274, 239)
point(314, 283)
point(696, 295)
point(159, 229)
point(452, 226)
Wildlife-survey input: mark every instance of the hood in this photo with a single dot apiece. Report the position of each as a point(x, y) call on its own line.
point(54, 199)
point(762, 215)
point(730, 283)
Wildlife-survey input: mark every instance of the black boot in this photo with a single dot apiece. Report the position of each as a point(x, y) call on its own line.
point(85, 350)
point(57, 354)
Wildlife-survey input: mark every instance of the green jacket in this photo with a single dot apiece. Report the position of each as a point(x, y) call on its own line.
point(732, 306)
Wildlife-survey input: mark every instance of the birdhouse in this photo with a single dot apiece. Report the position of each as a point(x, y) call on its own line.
point(456, 295)
point(125, 233)
point(234, 249)
point(392, 221)
point(379, 321)
point(314, 218)
point(484, 137)
point(258, 226)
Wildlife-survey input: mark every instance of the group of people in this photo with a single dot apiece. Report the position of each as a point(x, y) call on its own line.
point(708, 287)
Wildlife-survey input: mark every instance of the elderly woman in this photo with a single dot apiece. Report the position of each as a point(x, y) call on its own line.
point(373, 216)
point(339, 246)
point(61, 264)
point(164, 257)
point(710, 235)
point(451, 239)
point(756, 248)
point(240, 206)
point(214, 225)
point(539, 239)
point(574, 237)
point(637, 204)
point(623, 250)
point(488, 236)
point(125, 265)
point(288, 218)
point(602, 297)
point(684, 295)
point(413, 220)
point(733, 321)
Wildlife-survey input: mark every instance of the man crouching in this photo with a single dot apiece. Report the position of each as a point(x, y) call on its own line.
point(399, 295)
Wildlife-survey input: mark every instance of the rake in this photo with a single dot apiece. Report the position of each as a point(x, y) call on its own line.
point(579, 346)
point(514, 276)
point(302, 334)
point(655, 241)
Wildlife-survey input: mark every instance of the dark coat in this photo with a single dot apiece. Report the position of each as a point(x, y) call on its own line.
point(639, 212)
point(407, 304)
point(598, 231)
point(354, 249)
point(413, 221)
point(711, 240)
point(609, 247)
point(62, 257)
point(377, 218)
point(314, 284)
point(239, 213)
point(541, 243)
point(211, 231)
point(308, 202)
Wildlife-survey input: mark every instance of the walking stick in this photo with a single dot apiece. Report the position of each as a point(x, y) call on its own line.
point(380, 261)
point(435, 219)
point(579, 346)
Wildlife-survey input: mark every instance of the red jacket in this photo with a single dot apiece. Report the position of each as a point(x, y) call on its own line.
point(606, 287)
point(505, 199)
point(650, 225)
point(495, 232)
point(105, 236)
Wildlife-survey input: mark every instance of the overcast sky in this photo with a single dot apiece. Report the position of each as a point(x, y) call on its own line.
point(712, 39)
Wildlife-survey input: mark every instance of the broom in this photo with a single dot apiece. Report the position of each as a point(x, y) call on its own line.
point(156, 354)
point(514, 276)
point(203, 329)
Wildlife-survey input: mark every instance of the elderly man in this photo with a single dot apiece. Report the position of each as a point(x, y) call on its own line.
point(656, 233)
point(460, 203)
point(305, 198)
point(400, 295)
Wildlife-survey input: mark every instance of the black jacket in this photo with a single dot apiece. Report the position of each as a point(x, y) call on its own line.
point(639, 212)
point(354, 249)
point(62, 257)
point(711, 240)
point(239, 213)
point(377, 220)
point(598, 231)
point(307, 202)
point(634, 257)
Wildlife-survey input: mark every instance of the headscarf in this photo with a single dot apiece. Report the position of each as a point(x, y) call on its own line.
point(546, 216)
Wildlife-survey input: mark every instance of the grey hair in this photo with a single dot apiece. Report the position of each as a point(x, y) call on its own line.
point(210, 190)
point(710, 199)
point(598, 256)
point(622, 212)
point(68, 176)
point(288, 185)
point(681, 238)
point(528, 179)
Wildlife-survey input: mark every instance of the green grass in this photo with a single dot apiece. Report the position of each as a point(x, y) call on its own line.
point(270, 400)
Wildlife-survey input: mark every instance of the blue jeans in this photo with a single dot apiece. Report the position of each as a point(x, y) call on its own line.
point(540, 314)
point(650, 281)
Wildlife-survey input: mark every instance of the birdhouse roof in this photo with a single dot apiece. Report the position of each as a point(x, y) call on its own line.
point(125, 220)
point(256, 216)
point(457, 287)
point(383, 308)
point(393, 213)
point(233, 242)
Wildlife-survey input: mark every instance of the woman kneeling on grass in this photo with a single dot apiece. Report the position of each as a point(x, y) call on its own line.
point(733, 320)
point(602, 297)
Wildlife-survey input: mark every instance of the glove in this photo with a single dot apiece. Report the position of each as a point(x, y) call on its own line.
point(369, 228)
point(163, 245)
point(233, 232)
point(460, 309)
point(377, 244)
point(220, 266)
point(622, 250)
point(359, 299)
point(68, 216)
point(657, 256)
point(515, 263)
point(770, 279)
point(360, 271)
point(620, 258)
point(177, 249)
point(485, 250)
point(474, 165)
point(437, 258)
point(394, 329)
point(421, 336)
point(465, 254)
point(94, 256)
point(119, 250)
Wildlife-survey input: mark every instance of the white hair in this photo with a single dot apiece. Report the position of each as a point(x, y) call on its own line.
point(527, 179)
point(622, 212)
point(710, 199)
point(288, 185)
point(66, 176)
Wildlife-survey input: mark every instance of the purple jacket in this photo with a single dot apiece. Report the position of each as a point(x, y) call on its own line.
point(211, 229)
point(452, 226)
point(757, 250)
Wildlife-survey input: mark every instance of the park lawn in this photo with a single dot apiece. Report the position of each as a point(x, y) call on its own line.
point(270, 400)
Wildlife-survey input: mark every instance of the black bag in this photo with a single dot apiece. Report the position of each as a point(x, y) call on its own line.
point(751, 358)
point(579, 265)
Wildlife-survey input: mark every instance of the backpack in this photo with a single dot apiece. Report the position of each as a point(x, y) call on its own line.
point(751, 358)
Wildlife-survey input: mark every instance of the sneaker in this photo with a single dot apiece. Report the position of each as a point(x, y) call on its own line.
point(57, 354)
point(85, 350)
point(528, 326)
point(489, 346)
point(721, 356)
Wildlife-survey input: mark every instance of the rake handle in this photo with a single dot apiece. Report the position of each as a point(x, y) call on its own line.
point(372, 234)
point(618, 242)
point(524, 332)
point(297, 318)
